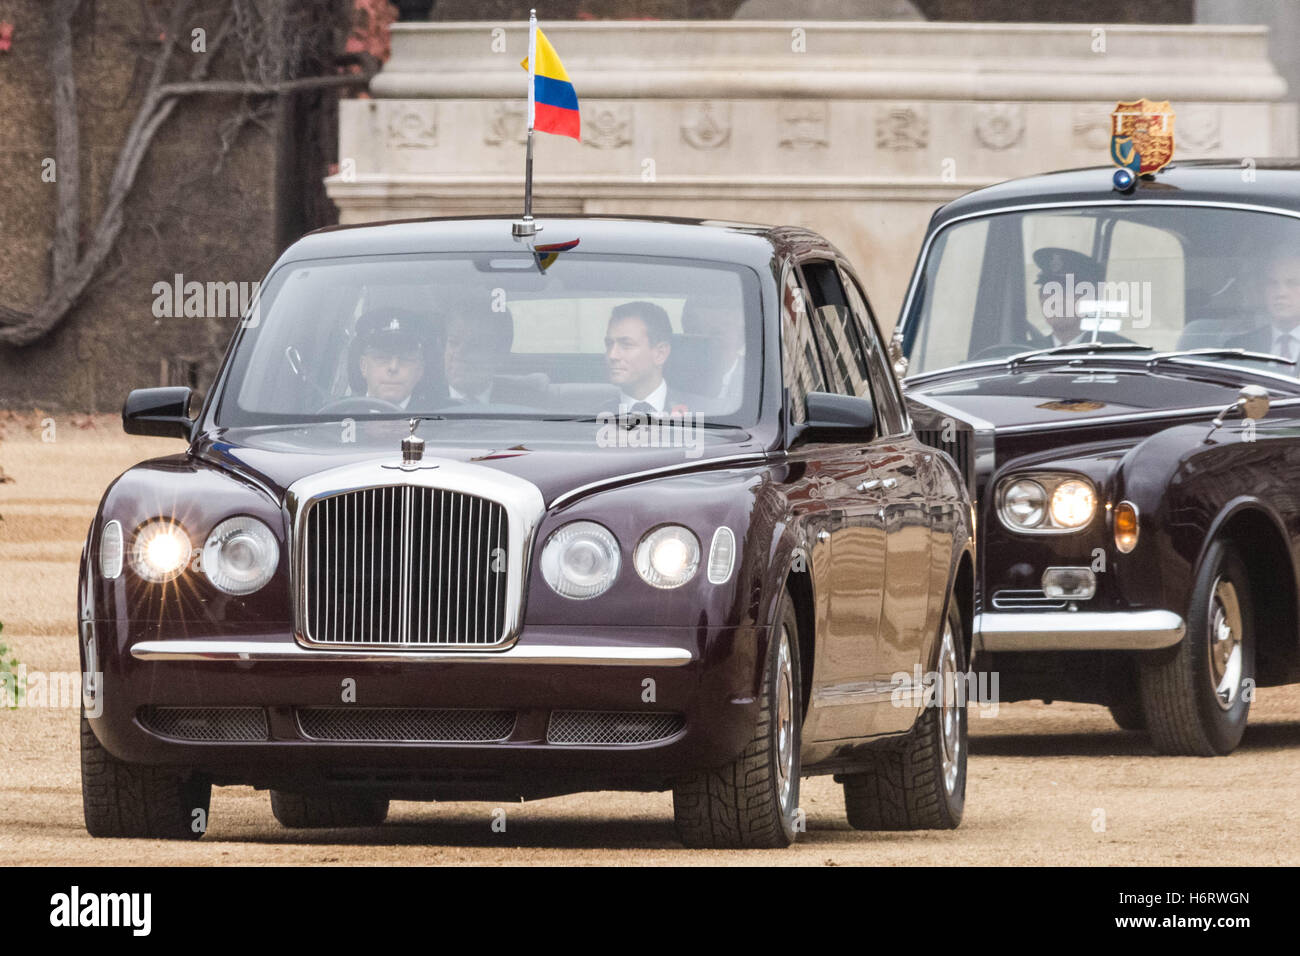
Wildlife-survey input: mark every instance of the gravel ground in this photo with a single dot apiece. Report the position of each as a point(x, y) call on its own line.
point(1054, 784)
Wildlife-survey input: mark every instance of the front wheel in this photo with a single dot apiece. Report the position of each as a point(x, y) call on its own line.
point(921, 784)
point(121, 799)
point(1196, 695)
point(753, 801)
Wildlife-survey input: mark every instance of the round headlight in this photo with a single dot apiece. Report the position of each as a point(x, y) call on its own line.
point(580, 560)
point(1024, 504)
point(240, 555)
point(1073, 503)
point(668, 556)
point(160, 550)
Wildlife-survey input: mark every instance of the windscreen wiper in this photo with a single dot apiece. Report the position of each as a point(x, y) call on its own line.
point(1220, 353)
point(1078, 347)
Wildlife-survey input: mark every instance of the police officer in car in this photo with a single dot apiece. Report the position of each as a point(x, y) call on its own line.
point(389, 354)
point(1067, 282)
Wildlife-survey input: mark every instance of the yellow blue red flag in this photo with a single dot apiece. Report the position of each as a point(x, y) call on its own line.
point(552, 100)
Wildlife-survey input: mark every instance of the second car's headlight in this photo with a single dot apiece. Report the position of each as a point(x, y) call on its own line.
point(668, 556)
point(1073, 503)
point(580, 560)
point(1045, 503)
point(240, 555)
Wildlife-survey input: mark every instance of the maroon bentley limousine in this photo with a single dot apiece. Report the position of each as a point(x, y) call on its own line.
point(634, 504)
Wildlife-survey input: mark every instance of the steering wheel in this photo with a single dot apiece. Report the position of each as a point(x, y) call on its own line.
point(1000, 351)
point(358, 403)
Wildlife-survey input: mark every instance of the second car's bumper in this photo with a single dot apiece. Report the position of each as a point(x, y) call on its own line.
point(1079, 630)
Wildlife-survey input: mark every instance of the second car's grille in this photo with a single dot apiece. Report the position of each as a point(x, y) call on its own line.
point(405, 565)
point(957, 443)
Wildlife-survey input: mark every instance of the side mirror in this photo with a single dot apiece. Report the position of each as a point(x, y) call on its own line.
point(163, 412)
point(1252, 401)
point(839, 418)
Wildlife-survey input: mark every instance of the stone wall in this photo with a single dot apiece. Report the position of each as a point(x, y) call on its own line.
point(856, 129)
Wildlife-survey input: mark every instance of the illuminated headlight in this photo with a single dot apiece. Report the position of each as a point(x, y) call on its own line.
point(1024, 503)
point(111, 551)
point(240, 555)
point(160, 550)
point(580, 560)
point(1073, 503)
point(1045, 503)
point(668, 556)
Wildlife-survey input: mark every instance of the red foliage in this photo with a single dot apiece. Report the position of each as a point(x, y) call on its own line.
point(370, 22)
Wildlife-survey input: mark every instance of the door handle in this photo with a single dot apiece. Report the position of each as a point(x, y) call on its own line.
point(869, 485)
point(891, 482)
point(823, 536)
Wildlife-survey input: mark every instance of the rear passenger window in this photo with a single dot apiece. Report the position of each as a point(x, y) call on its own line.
point(802, 367)
point(842, 347)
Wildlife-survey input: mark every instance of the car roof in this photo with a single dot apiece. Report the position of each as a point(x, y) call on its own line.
point(748, 243)
point(1253, 182)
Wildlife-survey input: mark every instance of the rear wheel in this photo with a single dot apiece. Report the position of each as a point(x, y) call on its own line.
point(121, 799)
point(920, 785)
point(752, 801)
point(1195, 695)
point(303, 811)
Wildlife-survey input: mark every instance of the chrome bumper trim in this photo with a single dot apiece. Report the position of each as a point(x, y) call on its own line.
point(259, 651)
point(1080, 631)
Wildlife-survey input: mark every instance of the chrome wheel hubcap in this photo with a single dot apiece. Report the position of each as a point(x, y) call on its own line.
point(1225, 647)
point(785, 742)
point(950, 711)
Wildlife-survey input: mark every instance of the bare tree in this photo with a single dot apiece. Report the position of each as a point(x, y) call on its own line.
point(272, 42)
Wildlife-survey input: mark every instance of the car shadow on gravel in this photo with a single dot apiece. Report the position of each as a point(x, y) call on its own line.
point(1274, 735)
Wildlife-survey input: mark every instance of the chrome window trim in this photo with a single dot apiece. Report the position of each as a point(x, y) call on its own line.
point(521, 499)
point(924, 258)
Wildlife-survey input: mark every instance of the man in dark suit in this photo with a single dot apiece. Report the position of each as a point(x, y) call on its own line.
point(1281, 336)
point(477, 349)
point(638, 341)
point(1067, 281)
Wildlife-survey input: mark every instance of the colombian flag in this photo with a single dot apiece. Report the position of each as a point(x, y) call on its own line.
point(553, 100)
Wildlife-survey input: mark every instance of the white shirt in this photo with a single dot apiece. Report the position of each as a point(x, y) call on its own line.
point(1285, 343)
point(656, 399)
point(483, 397)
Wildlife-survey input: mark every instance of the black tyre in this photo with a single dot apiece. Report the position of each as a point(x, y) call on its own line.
point(1127, 714)
point(121, 799)
point(1194, 695)
point(921, 783)
point(306, 811)
point(753, 801)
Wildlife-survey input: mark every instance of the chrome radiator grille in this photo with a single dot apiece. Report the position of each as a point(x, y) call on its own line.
point(404, 565)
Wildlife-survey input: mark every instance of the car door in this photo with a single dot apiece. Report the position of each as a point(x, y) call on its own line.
point(826, 480)
point(859, 581)
point(917, 565)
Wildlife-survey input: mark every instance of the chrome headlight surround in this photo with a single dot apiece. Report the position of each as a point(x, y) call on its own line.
point(241, 555)
point(1067, 503)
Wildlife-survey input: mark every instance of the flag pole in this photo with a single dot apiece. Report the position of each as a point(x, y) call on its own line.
point(527, 226)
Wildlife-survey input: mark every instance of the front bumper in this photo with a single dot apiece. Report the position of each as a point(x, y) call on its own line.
point(1079, 630)
point(708, 676)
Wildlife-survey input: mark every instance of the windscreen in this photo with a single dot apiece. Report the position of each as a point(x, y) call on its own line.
point(499, 335)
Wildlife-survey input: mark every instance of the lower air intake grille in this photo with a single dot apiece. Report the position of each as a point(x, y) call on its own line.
point(396, 724)
point(611, 727)
point(205, 723)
